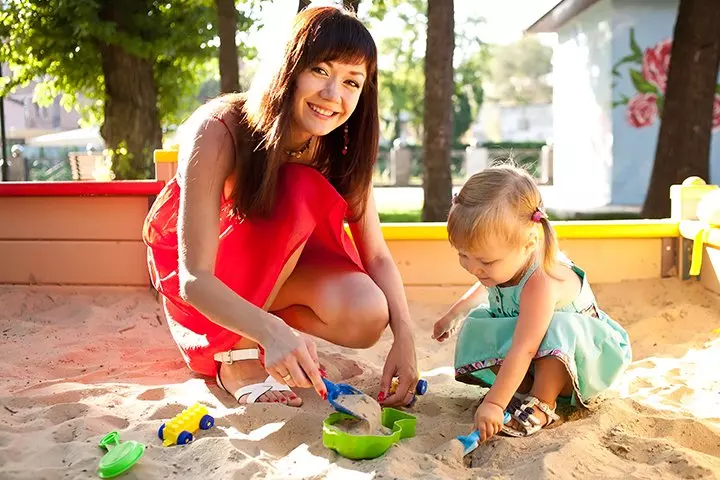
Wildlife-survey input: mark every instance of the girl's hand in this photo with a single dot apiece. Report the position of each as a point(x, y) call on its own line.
point(489, 419)
point(291, 359)
point(446, 326)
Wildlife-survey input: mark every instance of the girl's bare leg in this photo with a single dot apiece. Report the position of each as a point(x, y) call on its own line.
point(526, 384)
point(551, 380)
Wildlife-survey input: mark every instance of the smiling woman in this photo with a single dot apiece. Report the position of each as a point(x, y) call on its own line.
point(246, 244)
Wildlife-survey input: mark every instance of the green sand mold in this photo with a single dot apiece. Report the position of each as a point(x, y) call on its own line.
point(363, 447)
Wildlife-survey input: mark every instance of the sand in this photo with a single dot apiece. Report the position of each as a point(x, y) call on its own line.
point(77, 363)
point(368, 411)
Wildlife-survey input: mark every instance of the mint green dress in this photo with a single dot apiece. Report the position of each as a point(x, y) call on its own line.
point(594, 348)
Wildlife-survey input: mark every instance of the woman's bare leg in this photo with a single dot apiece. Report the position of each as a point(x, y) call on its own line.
point(333, 301)
point(246, 372)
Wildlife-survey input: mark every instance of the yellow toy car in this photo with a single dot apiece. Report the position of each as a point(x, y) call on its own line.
point(179, 430)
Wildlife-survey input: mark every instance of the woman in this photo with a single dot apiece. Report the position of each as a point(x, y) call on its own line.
point(247, 244)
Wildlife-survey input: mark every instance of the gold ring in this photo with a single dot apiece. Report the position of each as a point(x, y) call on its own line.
point(287, 377)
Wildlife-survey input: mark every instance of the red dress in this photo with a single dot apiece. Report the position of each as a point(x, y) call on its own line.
point(251, 253)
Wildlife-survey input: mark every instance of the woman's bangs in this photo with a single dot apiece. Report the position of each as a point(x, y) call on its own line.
point(342, 39)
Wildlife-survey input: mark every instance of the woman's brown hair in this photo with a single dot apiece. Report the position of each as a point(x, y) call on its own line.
point(319, 35)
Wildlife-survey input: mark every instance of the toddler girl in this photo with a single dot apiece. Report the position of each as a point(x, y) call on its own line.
point(542, 338)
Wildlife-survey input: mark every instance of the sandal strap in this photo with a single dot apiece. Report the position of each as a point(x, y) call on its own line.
point(230, 356)
point(255, 390)
point(523, 413)
point(531, 401)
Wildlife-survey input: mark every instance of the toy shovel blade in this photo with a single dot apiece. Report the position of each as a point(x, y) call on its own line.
point(334, 390)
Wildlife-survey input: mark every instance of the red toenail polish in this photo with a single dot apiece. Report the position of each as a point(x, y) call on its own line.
point(323, 373)
point(324, 395)
point(381, 396)
point(293, 396)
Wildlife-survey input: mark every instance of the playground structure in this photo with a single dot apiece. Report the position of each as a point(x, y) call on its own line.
point(89, 233)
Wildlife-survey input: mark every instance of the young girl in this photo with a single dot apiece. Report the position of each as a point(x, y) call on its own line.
point(542, 337)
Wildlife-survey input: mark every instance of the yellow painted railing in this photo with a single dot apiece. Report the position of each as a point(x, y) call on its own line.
point(564, 229)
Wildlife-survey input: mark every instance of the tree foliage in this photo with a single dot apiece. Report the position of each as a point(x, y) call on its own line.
point(66, 43)
point(519, 71)
point(58, 42)
point(402, 79)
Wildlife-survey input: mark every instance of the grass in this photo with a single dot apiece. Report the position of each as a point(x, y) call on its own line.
point(395, 216)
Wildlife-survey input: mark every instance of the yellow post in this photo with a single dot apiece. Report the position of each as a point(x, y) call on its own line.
point(684, 200)
point(165, 164)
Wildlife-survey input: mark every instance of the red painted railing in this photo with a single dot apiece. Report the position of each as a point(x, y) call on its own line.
point(67, 189)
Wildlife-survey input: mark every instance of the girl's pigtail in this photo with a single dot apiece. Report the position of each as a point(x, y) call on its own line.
point(550, 250)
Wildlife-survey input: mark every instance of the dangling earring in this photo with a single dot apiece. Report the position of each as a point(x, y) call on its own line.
point(347, 139)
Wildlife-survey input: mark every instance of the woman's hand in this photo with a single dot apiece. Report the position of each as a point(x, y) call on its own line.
point(291, 359)
point(401, 363)
point(447, 326)
point(489, 419)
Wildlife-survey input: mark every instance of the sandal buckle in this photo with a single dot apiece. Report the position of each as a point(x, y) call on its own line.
point(225, 357)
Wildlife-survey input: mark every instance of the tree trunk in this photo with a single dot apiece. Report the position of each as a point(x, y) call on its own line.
point(302, 4)
point(437, 131)
point(351, 5)
point(131, 127)
point(229, 64)
point(683, 147)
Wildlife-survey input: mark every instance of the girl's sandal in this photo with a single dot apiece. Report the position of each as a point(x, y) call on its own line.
point(524, 414)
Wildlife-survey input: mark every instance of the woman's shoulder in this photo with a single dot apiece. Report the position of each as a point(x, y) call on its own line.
point(225, 111)
point(219, 121)
point(210, 134)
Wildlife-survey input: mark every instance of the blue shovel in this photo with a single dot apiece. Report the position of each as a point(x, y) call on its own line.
point(334, 390)
point(471, 442)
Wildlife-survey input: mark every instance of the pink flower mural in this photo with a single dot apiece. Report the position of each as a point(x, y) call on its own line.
point(642, 110)
point(655, 64)
point(650, 81)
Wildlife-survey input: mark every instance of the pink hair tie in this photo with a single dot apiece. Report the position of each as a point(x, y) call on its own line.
point(537, 215)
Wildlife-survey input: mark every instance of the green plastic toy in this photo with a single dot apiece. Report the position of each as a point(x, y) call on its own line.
point(120, 456)
point(360, 447)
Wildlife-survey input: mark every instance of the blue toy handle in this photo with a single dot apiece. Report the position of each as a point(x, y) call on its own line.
point(331, 387)
point(470, 442)
point(421, 387)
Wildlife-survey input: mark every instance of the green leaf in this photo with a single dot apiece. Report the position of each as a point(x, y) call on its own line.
point(623, 101)
point(634, 45)
point(641, 84)
point(631, 58)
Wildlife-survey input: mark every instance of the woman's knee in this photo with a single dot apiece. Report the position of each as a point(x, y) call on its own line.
point(364, 316)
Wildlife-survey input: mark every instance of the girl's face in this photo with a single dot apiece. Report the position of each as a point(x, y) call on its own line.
point(496, 262)
point(326, 95)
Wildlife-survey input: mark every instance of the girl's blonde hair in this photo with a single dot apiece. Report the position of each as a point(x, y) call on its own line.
point(501, 202)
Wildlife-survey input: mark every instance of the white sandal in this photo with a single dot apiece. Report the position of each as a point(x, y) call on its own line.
point(524, 415)
point(255, 390)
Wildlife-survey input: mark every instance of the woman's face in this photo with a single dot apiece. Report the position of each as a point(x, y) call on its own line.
point(326, 95)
